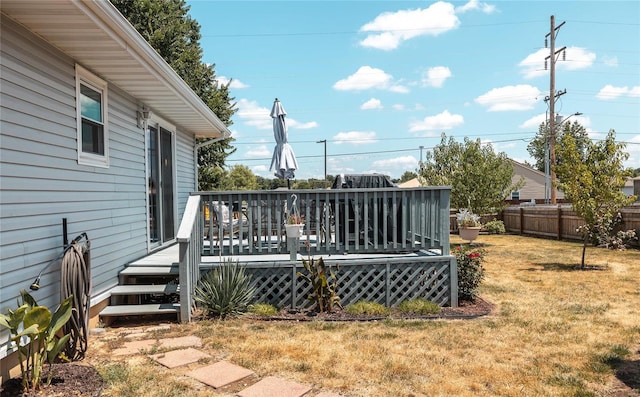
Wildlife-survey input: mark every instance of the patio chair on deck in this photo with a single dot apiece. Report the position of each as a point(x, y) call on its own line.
point(230, 225)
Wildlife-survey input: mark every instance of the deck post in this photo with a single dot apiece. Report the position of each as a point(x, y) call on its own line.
point(453, 277)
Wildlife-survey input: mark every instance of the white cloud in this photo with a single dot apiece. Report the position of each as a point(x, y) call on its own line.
point(611, 61)
point(262, 170)
point(398, 106)
point(576, 58)
point(633, 148)
point(295, 124)
point(223, 80)
point(436, 76)
point(439, 122)
point(400, 89)
point(260, 117)
point(512, 97)
point(372, 103)
point(392, 28)
point(476, 5)
point(398, 164)
point(534, 122)
point(355, 137)
point(259, 152)
point(254, 115)
point(610, 92)
point(366, 78)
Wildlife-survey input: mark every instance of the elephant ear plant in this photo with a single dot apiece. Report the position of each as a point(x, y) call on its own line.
point(323, 283)
point(37, 327)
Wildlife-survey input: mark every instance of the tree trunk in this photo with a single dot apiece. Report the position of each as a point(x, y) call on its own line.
point(584, 250)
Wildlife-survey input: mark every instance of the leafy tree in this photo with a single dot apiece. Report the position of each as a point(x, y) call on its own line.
point(537, 148)
point(592, 179)
point(479, 178)
point(170, 30)
point(242, 178)
point(407, 176)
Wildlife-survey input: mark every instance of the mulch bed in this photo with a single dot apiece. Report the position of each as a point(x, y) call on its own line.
point(69, 380)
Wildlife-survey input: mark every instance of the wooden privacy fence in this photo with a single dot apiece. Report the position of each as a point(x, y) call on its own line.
point(559, 222)
point(388, 280)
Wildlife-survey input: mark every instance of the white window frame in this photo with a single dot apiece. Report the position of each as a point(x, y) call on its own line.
point(515, 192)
point(88, 79)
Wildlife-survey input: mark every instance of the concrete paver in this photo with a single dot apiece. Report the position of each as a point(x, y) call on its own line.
point(178, 358)
point(275, 387)
point(134, 347)
point(220, 374)
point(183, 341)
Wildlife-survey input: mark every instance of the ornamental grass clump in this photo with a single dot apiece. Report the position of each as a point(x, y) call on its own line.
point(470, 271)
point(224, 291)
point(368, 308)
point(419, 306)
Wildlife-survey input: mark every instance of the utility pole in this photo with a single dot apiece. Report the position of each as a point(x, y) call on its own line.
point(421, 147)
point(325, 158)
point(552, 99)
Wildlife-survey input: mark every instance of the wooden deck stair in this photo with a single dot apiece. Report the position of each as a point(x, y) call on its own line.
point(148, 286)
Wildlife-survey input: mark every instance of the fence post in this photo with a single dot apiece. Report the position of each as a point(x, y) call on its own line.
point(559, 217)
point(521, 220)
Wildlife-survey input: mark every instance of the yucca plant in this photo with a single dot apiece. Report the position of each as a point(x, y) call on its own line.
point(224, 291)
point(36, 326)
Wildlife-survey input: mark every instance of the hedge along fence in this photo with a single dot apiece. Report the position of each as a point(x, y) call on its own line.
point(385, 280)
point(559, 222)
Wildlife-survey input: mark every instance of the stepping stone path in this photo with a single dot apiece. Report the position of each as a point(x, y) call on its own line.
point(219, 375)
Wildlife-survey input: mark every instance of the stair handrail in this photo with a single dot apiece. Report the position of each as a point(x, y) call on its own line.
point(190, 242)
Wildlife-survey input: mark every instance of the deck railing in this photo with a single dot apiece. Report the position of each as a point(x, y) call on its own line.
point(381, 220)
point(189, 238)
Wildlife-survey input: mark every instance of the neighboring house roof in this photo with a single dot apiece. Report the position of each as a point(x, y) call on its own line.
point(98, 37)
point(415, 182)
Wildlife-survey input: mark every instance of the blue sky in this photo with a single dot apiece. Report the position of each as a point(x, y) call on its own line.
point(379, 79)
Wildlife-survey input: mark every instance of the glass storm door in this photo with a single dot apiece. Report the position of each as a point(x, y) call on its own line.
point(161, 186)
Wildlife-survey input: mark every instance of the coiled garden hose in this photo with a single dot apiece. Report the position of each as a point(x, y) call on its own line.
point(75, 279)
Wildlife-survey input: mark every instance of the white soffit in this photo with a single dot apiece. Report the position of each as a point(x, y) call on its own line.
point(100, 39)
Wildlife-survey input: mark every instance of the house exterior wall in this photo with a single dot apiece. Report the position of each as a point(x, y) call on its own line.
point(41, 181)
point(533, 183)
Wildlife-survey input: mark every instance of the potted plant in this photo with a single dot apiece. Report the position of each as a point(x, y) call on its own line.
point(468, 224)
point(294, 226)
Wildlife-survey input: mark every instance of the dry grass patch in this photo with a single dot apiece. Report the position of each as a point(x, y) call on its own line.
point(556, 331)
